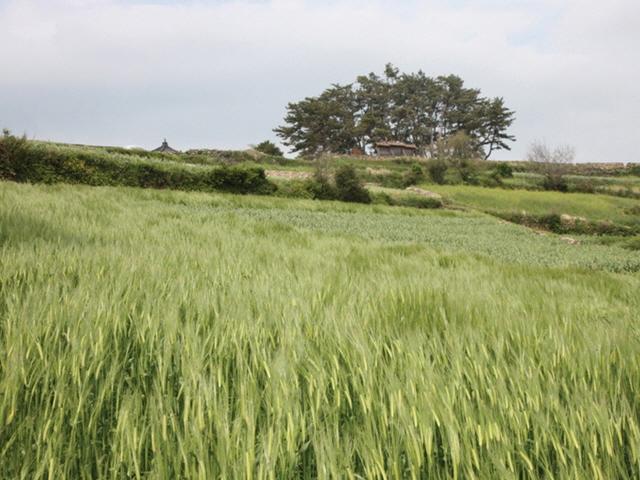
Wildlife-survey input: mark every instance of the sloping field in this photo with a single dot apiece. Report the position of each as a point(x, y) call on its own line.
point(593, 207)
point(171, 335)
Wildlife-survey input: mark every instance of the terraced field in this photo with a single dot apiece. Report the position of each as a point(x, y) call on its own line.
point(591, 206)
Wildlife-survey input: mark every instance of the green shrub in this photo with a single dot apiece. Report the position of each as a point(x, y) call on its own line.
point(319, 186)
point(389, 179)
point(417, 201)
point(554, 222)
point(294, 189)
point(12, 152)
point(437, 170)
point(349, 188)
point(585, 186)
point(269, 148)
point(492, 180)
point(413, 176)
point(555, 183)
point(413, 201)
point(467, 170)
point(504, 170)
point(22, 161)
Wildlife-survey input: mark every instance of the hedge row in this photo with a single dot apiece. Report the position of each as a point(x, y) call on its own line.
point(561, 224)
point(23, 161)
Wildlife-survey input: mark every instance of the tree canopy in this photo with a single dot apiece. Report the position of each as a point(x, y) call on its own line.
point(407, 107)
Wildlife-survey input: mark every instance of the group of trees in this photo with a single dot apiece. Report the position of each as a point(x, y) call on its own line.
point(411, 108)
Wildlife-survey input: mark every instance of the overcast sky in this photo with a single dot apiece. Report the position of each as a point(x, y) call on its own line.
point(219, 73)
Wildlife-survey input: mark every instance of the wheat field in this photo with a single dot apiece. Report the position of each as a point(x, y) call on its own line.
point(148, 334)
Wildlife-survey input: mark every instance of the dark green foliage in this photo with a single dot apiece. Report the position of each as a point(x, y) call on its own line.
point(22, 161)
point(413, 201)
point(269, 148)
point(467, 171)
point(492, 180)
point(437, 169)
point(417, 201)
point(389, 180)
point(633, 210)
point(320, 187)
point(555, 183)
point(11, 147)
point(413, 176)
point(493, 119)
point(584, 186)
point(632, 243)
point(216, 157)
point(504, 170)
point(557, 223)
point(323, 124)
point(294, 189)
point(349, 187)
point(412, 108)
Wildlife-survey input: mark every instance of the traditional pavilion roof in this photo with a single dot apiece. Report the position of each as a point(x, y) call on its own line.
point(165, 148)
point(395, 144)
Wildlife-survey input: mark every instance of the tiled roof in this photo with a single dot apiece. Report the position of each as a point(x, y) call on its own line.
point(395, 144)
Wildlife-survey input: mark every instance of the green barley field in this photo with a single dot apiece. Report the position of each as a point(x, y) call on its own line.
point(159, 334)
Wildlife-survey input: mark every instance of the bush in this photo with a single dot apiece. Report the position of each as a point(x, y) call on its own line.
point(416, 201)
point(493, 180)
point(412, 176)
point(320, 187)
point(269, 148)
point(504, 170)
point(437, 170)
point(585, 186)
point(12, 152)
point(413, 201)
point(555, 183)
point(349, 188)
point(294, 189)
point(560, 224)
point(467, 170)
point(22, 161)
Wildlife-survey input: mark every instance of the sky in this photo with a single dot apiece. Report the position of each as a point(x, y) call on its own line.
point(219, 73)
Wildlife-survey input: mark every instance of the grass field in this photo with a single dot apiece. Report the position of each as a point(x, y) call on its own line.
point(593, 207)
point(187, 335)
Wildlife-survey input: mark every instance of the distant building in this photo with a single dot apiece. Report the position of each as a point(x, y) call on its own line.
point(165, 148)
point(395, 149)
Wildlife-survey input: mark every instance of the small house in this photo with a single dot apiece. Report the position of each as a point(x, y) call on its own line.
point(165, 148)
point(396, 149)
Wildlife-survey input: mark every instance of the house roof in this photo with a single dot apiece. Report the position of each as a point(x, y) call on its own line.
point(395, 144)
point(165, 148)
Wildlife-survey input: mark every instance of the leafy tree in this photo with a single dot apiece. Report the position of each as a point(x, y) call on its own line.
point(323, 124)
point(495, 119)
point(372, 97)
point(412, 108)
point(269, 148)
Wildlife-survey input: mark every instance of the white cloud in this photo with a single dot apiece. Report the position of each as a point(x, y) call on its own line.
point(220, 73)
